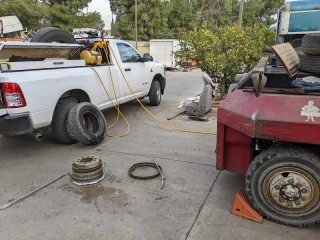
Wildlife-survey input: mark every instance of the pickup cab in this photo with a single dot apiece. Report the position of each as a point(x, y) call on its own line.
point(40, 84)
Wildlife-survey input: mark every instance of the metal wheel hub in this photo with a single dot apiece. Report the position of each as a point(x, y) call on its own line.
point(87, 170)
point(291, 190)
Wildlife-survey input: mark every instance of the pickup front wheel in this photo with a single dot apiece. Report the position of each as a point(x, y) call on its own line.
point(155, 93)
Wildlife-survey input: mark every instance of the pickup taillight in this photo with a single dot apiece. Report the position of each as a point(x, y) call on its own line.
point(12, 95)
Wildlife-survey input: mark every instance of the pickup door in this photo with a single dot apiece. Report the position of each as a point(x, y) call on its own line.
point(134, 69)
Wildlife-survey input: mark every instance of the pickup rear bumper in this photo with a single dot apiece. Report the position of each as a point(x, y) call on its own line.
point(15, 125)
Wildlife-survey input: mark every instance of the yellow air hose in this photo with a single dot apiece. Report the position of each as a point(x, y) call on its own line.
point(154, 117)
point(116, 105)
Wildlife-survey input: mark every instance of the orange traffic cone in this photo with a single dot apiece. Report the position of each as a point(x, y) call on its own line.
point(242, 208)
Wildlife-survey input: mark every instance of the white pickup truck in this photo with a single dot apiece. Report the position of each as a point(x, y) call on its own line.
point(41, 87)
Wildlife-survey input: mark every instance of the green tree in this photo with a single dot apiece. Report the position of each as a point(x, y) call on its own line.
point(152, 18)
point(182, 18)
point(260, 11)
point(29, 12)
point(216, 13)
point(65, 14)
point(226, 51)
point(69, 14)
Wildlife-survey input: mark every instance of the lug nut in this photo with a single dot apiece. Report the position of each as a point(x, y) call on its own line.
point(277, 187)
point(304, 191)
point(281, 200)
point(290, 181)
point(297, 202)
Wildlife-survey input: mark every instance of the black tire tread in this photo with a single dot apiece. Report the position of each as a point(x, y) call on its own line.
point(310, 63)
point(59, 120)
point(267, 155)
point(51, 34)
point(153, 93)
point(311, 44)
point(75, 129)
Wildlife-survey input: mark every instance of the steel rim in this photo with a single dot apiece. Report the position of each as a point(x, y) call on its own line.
point(291, 190)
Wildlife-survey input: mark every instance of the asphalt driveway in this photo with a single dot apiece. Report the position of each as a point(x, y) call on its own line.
point(194, 204)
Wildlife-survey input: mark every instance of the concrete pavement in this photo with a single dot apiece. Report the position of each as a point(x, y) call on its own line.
point(195, 202)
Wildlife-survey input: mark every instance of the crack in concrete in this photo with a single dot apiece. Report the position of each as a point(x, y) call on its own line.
point(201, 207)
point(169, 159)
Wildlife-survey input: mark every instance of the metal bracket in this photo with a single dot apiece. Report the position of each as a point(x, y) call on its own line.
point(258, 78)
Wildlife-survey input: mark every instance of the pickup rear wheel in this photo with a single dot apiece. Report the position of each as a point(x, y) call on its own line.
point(86, 124)
point(155, 93)
point(282, 183)
point(59, 121)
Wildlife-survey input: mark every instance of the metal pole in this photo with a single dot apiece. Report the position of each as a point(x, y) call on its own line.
point(27, 195)
point(136, 23)
point(241, 13)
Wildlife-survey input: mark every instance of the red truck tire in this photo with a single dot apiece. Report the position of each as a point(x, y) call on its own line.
point(282, 183)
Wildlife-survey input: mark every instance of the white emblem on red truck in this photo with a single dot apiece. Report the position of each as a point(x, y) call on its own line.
point(310, 111)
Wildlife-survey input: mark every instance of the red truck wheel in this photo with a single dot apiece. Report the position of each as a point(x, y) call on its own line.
point(282, 183)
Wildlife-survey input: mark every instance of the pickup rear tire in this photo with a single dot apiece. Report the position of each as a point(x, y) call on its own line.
point(282, 183)
point(155, 93)
point(59, 121)
point(86, 124)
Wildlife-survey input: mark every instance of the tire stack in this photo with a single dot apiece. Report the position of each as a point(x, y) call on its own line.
point(78, 122)
point(310, 61)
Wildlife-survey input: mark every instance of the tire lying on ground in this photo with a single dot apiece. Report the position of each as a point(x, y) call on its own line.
point(86, 124)
point(311, 44)
point(59, 121)
point(282, 183)
point(310, 63)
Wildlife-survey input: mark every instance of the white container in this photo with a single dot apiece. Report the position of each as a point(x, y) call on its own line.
point(163, 51)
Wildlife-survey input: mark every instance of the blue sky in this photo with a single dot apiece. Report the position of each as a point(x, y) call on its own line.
point(103, 7)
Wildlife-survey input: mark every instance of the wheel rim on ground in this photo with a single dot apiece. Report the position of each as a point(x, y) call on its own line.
point(291, 190)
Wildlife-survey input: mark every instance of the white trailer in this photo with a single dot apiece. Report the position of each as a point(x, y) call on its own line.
point(163, 51)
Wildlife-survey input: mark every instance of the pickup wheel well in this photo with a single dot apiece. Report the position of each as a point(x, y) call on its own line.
point(159, 78)
point(79, 95)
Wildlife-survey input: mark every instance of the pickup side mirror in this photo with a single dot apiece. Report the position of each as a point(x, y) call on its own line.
point(147, 57)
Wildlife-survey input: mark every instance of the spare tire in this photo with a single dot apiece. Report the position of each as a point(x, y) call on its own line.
point(52, 34)
point(310, 63)
point(86, 124)
point(311, 44)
